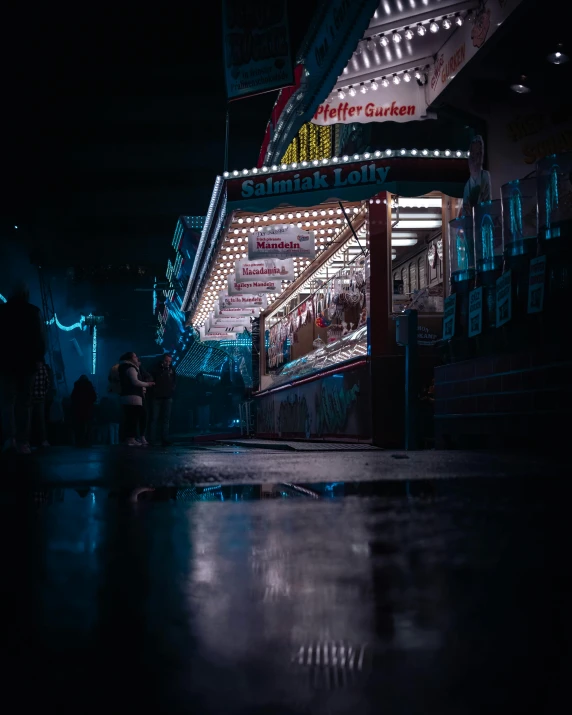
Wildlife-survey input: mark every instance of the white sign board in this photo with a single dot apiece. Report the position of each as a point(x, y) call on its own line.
point(264, 269)
point(504, 299)
point(226, 301)
point(536, 284)
point(281, 241)
point(450, 304)
point(215, 335)
point(475, 312)
point(236, 312)
point(464, 43)
point(253, 286)
point(398, 103)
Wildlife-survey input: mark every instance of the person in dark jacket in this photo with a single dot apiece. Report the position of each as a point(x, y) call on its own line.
point(165, 380)
point(83, 399)
point(21, 325)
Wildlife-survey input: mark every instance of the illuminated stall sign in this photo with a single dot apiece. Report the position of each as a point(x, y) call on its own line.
point(281, 241)
point(430, 169)
point(264, 269)
point(226, 301)
point(236, 312)
point(253, 286)
point(405, 103)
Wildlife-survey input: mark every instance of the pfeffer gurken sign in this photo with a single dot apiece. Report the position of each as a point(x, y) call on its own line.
point(335, 176)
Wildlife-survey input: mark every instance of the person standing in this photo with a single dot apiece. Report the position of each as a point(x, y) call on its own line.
point(21, 324)
point(83, 398)
point(42, 388)
point(132, 398)
point(165, 380)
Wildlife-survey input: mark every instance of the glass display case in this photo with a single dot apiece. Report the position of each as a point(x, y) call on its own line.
point(520, 215)
point(488, 236)
point(461, 249)
point(350, 346)
point(554, 180)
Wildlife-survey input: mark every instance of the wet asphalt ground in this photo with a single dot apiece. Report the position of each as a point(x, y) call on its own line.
point(231, 580)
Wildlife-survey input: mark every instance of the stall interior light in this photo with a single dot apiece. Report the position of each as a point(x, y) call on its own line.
point(403, 241)
point(558, 57)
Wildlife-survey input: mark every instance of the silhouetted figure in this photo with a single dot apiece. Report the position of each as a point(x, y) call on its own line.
point(83, 399)
point(21, 326)
point(42, 388)
point(165, 380)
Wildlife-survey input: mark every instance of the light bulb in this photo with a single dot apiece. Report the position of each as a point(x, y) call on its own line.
point(396, 79)
point(433, 26)
point(385, 82)
point(408, 33)
point(417, 74)
point(407, 77)
point(446, 23)
point(396, 37)
point(363, 89)
point(341, 94)
point(403, 152)
point(414, 152)
point(358, 49)
point(352, 91)
point(421, 30)
point(425, 152)
point(383, 41)
point(459, 20)
point(373, 84)
point(370, 45)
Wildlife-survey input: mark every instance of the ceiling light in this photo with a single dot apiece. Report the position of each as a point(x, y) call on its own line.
point(383, 41)
point(363, 89)
point(352, 91)
point(396, 37)
point(558, 57)
point(421, 30)
point(459, 20)
point(370, 45)
point(373, 84)
point(446, 23)
point(408, 33)
point(385, 82)
point(520, 87)
point(396, 79)
point(433, 26)
point(341, 94)
point(403, 241)
point(407, 77)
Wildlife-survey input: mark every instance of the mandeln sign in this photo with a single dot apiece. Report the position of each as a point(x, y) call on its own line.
point(253, 286)
point(281, 241)
point(264, 269)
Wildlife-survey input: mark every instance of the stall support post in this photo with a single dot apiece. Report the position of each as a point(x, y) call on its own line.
point(411, 383)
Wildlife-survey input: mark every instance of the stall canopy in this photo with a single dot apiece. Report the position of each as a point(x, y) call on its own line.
point(406, 55)
point(306, 196)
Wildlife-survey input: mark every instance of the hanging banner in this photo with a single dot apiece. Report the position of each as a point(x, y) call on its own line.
point(536, 284)
point(281, 241)
point(245, 270)
point(476, 312)
point(465, 42)
point(401, 103)
point(236, 312)
point(256, 47)
point(226, 301)
point(253, 286)
point(504, 298)
point(450, 304)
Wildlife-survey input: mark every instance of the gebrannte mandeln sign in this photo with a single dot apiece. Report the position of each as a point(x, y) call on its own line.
point(226, 301)
point(373, 172)
point(264, 269)
point(253, 286)
point(281, 241)
point(402, 103)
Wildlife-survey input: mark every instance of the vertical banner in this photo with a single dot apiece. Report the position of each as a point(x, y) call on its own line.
point(256, 47)
point(504, 299)
point(449, 316)
point(475, 312)
point(536, 284)
point(256, 354)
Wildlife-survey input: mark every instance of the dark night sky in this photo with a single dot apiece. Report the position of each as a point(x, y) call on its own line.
point(116, 123)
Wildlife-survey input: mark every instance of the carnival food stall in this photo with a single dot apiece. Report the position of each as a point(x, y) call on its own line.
point(301, 255)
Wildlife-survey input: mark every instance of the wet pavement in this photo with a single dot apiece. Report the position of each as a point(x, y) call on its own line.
point(291, 595)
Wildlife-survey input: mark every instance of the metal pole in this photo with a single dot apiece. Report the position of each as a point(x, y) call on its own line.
point(226, 141)
point(411, 389)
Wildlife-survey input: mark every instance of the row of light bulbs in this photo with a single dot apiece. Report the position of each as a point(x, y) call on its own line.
point(374, 84)
point(298, 214)
point(343, 159)
point(409, 32)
